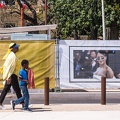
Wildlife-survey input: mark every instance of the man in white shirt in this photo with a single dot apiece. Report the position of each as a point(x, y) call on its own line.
point(9, 70)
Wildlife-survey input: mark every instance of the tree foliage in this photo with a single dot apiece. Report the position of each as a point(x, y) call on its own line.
point(76, 17)
point(112, 11)
point(82, 16)
point(27, 5)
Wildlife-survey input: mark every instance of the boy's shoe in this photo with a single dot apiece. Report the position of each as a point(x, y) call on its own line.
point(27, 110)
point(30, 105)
point(2, 107)
point(12, 104)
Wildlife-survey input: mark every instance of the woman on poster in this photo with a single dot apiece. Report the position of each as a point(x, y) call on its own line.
point(103, 70)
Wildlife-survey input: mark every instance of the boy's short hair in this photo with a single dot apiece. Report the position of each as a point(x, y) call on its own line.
point(24, 61)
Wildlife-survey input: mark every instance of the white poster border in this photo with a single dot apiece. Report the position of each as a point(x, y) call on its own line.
point(66, 48)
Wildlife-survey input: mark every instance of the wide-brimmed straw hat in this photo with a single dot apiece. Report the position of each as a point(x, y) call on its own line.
point(13, 45)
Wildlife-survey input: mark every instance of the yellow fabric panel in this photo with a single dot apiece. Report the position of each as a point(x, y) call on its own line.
point(41, 56)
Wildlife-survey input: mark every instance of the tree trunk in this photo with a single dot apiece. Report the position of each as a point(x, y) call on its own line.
point(114, 32)
point(93, 34)
point(75, 35)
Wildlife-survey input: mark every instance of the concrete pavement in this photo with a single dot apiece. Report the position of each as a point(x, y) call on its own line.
point(66, 105)
point(64, 115)
point(90, 97)
point(90, 100)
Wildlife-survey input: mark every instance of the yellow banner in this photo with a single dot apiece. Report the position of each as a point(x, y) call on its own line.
point(41, 57)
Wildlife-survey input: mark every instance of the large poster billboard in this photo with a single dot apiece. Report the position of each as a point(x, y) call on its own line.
point(87, 62)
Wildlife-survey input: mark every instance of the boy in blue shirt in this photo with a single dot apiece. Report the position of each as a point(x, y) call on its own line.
point(23, 78)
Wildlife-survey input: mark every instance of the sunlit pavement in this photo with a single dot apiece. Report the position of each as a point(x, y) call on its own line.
point(61, 115)
point(66, 105)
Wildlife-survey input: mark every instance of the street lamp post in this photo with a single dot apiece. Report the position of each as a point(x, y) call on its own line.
point(103, 19)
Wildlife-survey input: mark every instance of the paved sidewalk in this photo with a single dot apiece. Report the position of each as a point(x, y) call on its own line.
point(66, 106)
point(64, 112)
point(64, 115)
point(69, 101)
